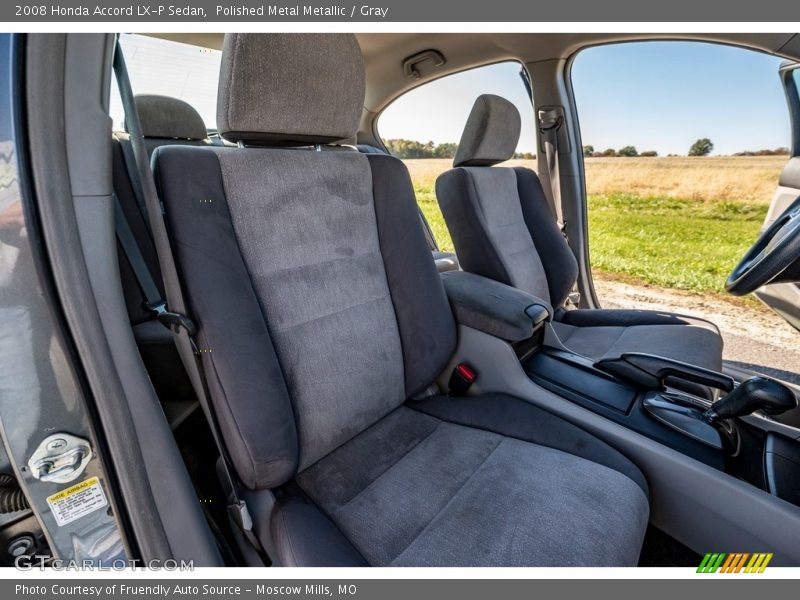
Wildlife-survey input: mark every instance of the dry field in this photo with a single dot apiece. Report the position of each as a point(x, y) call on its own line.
point(746, 179)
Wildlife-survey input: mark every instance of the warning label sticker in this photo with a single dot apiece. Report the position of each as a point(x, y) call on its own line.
point(76, 501)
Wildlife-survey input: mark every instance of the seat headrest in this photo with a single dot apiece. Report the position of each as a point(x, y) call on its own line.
point(290, 88)
point(165, 117)
point(491, 133)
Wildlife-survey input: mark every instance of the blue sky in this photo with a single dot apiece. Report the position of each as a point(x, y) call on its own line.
point(655, 95)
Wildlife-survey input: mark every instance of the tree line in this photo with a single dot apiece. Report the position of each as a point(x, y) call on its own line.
point(402, 148)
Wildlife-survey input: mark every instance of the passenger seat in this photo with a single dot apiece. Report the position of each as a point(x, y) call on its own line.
point(503, 229)
point(308, 277)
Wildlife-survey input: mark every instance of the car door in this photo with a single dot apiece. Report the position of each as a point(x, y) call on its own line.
point(784, 298)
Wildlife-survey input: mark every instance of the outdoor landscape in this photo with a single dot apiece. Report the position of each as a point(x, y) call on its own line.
point(673, 222)
point(664, 232)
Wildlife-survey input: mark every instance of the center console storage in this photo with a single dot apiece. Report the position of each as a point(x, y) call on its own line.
point(635, 392)
point(575, 378)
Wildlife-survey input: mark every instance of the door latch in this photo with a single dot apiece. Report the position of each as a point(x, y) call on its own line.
point(60, 458)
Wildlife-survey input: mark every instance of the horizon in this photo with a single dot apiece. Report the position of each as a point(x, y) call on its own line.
point(749, 153)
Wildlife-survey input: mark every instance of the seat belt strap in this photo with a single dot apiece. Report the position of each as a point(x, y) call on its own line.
point(135, 258)
point(182, 327)
point(550, 122)
point(136, 184)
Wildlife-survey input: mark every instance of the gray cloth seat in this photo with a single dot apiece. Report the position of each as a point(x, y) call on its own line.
point(481, 497)
point(503, 229)
point(321, 310)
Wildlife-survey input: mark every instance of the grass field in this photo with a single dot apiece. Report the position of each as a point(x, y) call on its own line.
point(672, 222)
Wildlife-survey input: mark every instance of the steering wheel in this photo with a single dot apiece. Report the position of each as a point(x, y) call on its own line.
point(775, 250)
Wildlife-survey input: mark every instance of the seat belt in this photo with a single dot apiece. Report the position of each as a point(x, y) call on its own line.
point(174, 314)
point(133, 253)
point(550, 122)
point(136, 184)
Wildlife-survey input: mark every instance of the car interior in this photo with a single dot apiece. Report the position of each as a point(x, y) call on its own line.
point(310, 381)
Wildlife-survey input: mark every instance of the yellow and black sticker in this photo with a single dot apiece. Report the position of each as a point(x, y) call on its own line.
point(77, 500)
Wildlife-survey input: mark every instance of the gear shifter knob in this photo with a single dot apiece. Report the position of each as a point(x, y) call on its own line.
point(757, 393)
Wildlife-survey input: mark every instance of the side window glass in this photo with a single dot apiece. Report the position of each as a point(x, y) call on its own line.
point(678, 177)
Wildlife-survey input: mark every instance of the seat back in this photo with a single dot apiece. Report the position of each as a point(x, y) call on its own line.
point(318, 305)
point(164, 121)
point(498, 217)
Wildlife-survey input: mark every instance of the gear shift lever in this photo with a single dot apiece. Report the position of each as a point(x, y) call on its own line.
point(757, 393)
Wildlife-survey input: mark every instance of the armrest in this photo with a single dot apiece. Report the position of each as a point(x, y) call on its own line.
point(494, 308)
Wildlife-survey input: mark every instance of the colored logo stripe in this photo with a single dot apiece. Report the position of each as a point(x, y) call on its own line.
point(758, 563)
point(711, 563)
point(734, 562)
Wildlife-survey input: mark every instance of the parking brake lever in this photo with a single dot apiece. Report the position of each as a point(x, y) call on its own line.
point(648, 371)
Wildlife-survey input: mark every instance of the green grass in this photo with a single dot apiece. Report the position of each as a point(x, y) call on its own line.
point(671, 243)
point(668, 242)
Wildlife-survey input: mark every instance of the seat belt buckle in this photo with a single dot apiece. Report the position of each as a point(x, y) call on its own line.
point(241, 515)
point(461, 379)
point(172, 320)
point(562, 227)
point(573, 300)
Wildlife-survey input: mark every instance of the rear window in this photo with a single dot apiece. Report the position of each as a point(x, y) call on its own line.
point(169, 68)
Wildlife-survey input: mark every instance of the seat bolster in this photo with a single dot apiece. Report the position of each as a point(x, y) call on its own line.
point(303, 536)
point(515, 418)
point(626, 318)
point(244, 376)
point(558, 261)
point(425, 322)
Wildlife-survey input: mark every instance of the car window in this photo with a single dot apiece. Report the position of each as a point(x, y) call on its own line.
point(423, 127)
point(169, 68)
point(683, 146)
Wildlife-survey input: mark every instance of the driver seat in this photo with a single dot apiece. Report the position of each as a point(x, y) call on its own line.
point(502, 228)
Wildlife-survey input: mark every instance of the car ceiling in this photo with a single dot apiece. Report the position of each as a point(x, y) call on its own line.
point(384, 53)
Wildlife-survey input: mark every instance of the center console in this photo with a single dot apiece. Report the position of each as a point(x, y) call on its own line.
point(642, 392)
point(702, 414)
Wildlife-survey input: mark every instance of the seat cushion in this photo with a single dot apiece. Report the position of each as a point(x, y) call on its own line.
point(419, 490)
point(599, 334)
